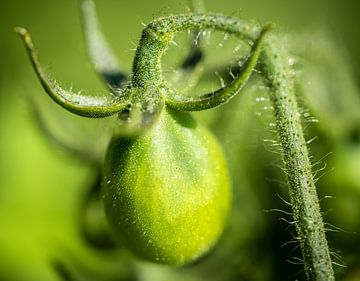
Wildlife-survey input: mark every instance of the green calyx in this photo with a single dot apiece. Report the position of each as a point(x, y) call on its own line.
point(146, 92)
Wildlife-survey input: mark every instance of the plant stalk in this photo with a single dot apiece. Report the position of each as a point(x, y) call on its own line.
point(304, 200)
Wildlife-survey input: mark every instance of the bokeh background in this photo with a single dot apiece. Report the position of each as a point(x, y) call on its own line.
point(43, 189)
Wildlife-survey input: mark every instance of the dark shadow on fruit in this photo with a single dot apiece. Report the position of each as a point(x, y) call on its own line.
point(94, 227)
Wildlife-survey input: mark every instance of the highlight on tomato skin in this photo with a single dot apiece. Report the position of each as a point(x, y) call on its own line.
point(167, 193)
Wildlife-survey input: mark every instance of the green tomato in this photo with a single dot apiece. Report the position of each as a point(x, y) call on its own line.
point(166, 193)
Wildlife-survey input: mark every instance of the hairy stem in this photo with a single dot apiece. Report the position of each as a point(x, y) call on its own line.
point(158, 34)
point(304, 199)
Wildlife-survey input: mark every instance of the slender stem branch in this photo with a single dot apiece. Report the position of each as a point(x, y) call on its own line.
point(226, 93)
point(304, 200)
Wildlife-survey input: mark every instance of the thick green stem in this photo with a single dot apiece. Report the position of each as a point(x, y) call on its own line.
point(158, 34)
point(304, 200)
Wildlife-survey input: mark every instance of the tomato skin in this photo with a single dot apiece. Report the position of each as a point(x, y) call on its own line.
point(167, 193)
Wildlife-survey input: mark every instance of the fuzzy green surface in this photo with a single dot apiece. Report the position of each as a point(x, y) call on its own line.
point(167, 193)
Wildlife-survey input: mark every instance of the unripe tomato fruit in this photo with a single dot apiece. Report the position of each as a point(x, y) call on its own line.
point(166, 193)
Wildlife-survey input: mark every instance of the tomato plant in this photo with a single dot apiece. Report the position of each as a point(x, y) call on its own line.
point(165, 184)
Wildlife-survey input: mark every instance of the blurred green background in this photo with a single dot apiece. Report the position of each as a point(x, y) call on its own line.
point(42, 190)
